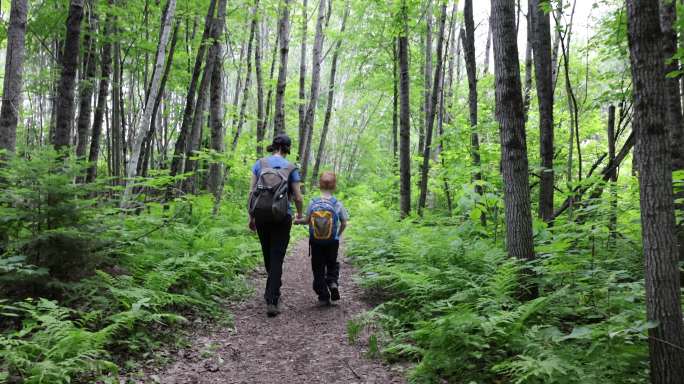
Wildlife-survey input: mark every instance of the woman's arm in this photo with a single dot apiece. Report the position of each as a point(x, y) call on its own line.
point(252, 184)
point(298, 199)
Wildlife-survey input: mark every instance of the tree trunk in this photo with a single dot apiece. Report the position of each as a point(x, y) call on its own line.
point(509, 114)
point(436, 91)
point(202, 102)
point(668, 18)
point(427, 78)
point(248, 80)
point(488, 47)
point(302, 80)
point(269, 95)
point(315, 88)
point(612, 219)
point(178, 160)
point(238, 84)
point(331, 100)
point(103, 90)
point(215, 178)
point(404, 116)
point(261, 118)
point(284, 37)
point(116, 128)
point(65, 92)
point(663, 297)
point(558, 12)
point(14, 69)
point(395, 101)
point(468, 43)
point(527, 87)
point(155, 84)
point(157, 103)
point(87, 85)
point(541, 41)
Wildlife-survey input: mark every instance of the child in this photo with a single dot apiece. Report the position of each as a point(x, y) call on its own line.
point(327, 220)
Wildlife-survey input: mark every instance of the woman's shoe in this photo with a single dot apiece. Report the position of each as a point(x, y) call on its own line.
point(272, 310)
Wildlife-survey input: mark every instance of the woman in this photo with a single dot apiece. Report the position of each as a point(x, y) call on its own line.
point(274, 234)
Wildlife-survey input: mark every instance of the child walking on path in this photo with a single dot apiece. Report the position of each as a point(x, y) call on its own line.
point(327, 219)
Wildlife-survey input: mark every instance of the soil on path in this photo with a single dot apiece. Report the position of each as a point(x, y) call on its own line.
point(306, 343)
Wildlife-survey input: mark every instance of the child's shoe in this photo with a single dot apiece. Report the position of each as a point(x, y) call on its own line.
point(334, 292)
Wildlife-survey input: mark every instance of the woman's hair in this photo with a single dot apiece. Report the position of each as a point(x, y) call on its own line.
point(328, 181)
point(281, 143)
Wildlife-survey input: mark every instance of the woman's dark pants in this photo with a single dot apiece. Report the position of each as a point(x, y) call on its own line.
point(274, 239)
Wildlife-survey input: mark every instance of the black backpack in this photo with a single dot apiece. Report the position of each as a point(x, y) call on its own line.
point(270, 199)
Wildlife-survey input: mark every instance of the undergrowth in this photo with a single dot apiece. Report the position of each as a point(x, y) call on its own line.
point(124, 283)
point(449, 301)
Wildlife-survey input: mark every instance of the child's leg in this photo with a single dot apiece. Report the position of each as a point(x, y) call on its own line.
point(318, 267)
point(332, 274)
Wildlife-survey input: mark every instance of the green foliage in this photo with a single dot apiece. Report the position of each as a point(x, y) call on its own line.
point(116, 284)
point(450, 303)
point(47, 219)
point(51, 348)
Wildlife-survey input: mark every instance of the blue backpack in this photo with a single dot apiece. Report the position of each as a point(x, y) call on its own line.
point(324, 221)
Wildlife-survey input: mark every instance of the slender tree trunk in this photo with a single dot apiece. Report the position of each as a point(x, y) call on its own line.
point(178, 160)
point(248, 80)
point(488, 47)
point(612, 219)
point(284, 37)
point(155, 85)
point(447, 105)
point(427, 78)
point(87, 85)
point(157, 103)
point(527, 87)
point(558, 12)
point(541, 41)
point(514, 163)
point(404, 116)
point(468, 43)
point(238, 84)
point(663, 297)
point(395, 101)
point(115, 134)
point(269, 95)
point(103, 90)
point(315, 88)
point(302, 80)
point(65, 93)
point(436, 91)
point(261, 118)
point(331, 98)
point(14, 70)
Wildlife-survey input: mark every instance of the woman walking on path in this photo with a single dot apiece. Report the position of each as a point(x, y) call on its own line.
point(275, 181)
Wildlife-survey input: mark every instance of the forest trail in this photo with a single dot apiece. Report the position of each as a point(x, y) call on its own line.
point(304, 344)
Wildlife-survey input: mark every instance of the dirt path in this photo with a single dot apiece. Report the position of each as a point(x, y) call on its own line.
point(305, 344)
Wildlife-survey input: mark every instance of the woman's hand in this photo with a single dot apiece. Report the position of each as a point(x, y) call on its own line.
point(252, 224)
point(300, 221)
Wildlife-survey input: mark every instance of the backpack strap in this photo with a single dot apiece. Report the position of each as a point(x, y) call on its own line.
point(263, 162)
point(287, 171)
